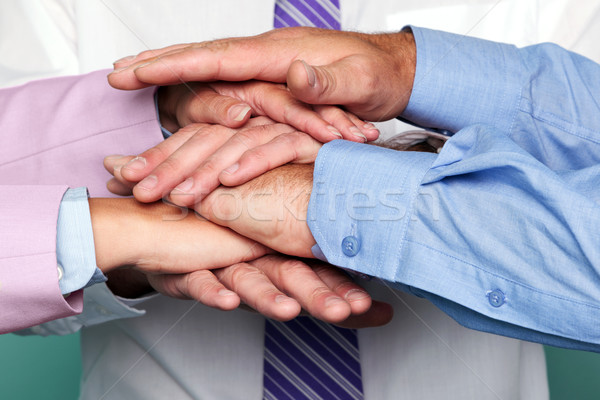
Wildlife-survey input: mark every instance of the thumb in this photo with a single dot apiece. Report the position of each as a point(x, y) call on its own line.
point(345, 82)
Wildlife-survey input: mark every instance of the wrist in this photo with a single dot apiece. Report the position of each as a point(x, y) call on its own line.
point(401, 52)
point(115, 232)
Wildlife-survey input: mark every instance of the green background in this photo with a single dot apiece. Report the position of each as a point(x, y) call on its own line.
point(49, 368)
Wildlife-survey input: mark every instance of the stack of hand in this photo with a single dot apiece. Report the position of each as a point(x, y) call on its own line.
point(228, 161)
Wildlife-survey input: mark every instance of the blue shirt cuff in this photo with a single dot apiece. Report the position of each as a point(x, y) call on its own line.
point(461, 81)
point(75, 250)
point(360, 223)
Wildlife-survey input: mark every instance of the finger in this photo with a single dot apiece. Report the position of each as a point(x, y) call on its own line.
point(202, 286)
point(205, 178)
point(141, 166)
point(299, 281)
point(343, 285)
point(293, 146)
point(367, 128)
point(257, 291)
point(178, 169)
point(379, 314)
point(349, 81)
point(117, 184)
point(124, 77)
point(230, 60)
point(146, 55)
point(212, 107)
point(351, 127)
point(277, 102)
point(118, 188)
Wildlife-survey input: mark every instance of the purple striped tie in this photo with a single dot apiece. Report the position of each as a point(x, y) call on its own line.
point(317, 13)
point(306, 358)
point(309, 359)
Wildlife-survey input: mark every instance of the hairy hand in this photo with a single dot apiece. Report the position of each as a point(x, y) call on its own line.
point(270, 209)
point(371, 75)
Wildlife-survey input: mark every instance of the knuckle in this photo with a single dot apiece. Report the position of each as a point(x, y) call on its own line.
point(156, 154)
point(293, 266)
point(242, 272)
point(319, 291)
point(329, 83)
point(201, 284)
point(171, 167)
point(210, 168)
point(262, 120)
point(257, 156)
point(218, 105)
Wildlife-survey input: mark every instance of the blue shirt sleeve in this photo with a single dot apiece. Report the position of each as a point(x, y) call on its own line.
point(75, 250)
point(499, 230)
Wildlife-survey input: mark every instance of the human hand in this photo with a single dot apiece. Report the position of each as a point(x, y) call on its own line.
point(198, 154)
point(163, 239)
point(232, 104)
point(276, 286)
point(280, 288)
point(370, 75)
point(270, 209)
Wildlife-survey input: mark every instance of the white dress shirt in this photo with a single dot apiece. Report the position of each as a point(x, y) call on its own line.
point(183, 350)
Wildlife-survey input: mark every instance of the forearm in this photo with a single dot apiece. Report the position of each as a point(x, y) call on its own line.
point(488, 228)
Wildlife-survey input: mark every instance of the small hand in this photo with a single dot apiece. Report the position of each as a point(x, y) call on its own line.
point(198, 158)
point(232, 104)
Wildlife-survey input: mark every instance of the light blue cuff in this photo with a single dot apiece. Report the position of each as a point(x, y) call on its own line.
point(460, 81)
point(360, 223)
point(75, 250)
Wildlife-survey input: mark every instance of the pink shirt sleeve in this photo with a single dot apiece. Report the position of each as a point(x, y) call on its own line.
point(54, 135)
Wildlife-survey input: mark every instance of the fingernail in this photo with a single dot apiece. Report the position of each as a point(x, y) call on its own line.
point(143, 65)
point(232, 169)
point(356, 294)
point(356, 132)
point(310, 74)
point(333, 301)
point(148, 183)
point(225, 292)
point(185, 186)
point(238, 112)
point(128, 58)
point(116, 71)
point(136, 164)
point(370, 126)
point(281, 298)
point(114, 157)
point(335, 131)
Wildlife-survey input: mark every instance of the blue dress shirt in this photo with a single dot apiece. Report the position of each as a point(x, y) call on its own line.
point(501, 230)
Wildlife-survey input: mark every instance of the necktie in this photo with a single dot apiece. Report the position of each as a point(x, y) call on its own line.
point(309, 359)
point(317, 13)
point(306, 358)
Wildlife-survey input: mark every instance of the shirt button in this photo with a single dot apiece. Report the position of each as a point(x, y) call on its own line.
point(496, 298)
point(61, 273)
point(350, 246)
